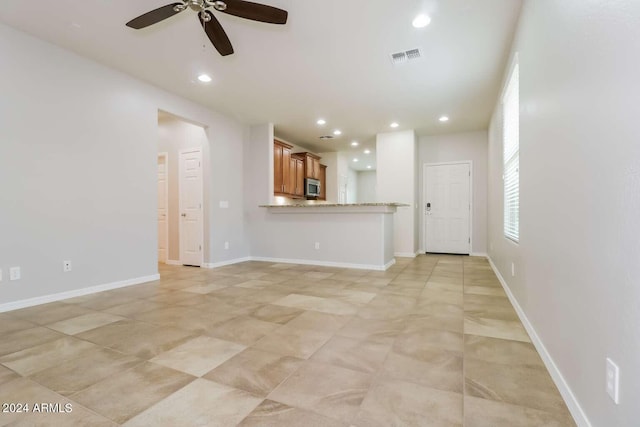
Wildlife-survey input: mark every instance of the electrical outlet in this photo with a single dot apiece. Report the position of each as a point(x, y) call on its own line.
point(14, 273)
point(613, 380)
point(317, 246)
point(66, 266)
point(513, 270)
point(226, 245)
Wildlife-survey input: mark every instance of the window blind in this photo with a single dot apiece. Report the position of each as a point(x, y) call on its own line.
point(511, 156)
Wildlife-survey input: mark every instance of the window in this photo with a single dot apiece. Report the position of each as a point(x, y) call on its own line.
point(511, 155)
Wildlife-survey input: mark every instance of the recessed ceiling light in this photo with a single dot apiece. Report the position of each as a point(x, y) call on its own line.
point(421, 21)
point(321, 122)
point(444, 119)
point(354, 144)
point(369, 167)
point(394, 125)
point(204, 78)
point(337, 132)
point(367, 151)
point(355, 160)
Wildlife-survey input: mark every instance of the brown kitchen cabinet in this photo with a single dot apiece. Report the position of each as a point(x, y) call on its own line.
point(296, 178)
point(282, 168)
point(311, 164)
point(323, 182)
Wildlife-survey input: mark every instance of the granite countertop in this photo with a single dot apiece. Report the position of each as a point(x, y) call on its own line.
point(328, 205)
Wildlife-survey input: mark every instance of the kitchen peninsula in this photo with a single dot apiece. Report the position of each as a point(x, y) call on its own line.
point(358, 235)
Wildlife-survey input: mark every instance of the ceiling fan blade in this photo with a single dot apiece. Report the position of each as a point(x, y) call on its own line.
point(216, 34)
point(256, 11)
point(154, 16)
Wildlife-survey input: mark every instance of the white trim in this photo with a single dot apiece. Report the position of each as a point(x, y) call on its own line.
point(406, 254)
point(223, 263)
point(424, 191)
point(173, 262)
point(165, 155)
point(578, 414)
point(202, 216)
point(326, 263)
point(480, 254)
point(30, 302)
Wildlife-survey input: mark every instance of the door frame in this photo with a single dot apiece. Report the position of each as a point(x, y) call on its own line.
point(180, 231)
point(165, 155)
point(423, 198)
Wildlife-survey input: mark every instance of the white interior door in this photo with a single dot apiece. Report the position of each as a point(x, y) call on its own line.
point(163, 223)
point(447, 208)
point(191, 218)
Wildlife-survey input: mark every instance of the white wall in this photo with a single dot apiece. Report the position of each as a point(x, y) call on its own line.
point(396, 177)
point(578, 261)
point(352, 186)
point(451, 148)
point(367, 187)
point(331, 161)
point(175, 135)
point(78, 170)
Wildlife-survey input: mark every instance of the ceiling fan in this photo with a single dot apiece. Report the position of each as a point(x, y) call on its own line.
point(211, 26)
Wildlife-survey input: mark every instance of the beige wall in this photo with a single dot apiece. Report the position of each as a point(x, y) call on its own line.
point(577, 265)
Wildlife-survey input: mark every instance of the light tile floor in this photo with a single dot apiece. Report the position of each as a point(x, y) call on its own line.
point(432, 341)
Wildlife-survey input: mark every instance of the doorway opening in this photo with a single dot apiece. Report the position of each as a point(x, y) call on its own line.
point(181, 203)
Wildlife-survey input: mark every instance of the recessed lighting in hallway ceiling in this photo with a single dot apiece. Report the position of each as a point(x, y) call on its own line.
point(354, 144)
point(369, 167)
point(355, 160)
point(204, 78)
point(421, 21)
point(337, 132)
point(444, 119)
point(367, 151)
point(321, 122)
point(394, 125)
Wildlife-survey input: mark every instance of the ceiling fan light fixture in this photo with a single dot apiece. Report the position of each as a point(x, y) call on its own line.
point(219, 5)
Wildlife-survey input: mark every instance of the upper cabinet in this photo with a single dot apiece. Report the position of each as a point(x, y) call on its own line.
point(312, 164)
point(323, 182)
point(291, 169)
point(281, 168)
point(296, 178)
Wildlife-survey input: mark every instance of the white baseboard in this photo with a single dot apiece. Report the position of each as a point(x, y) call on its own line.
point(572, 403)
point(480, 254)
point(173, 262)
point(223, 263)
point(326, 263)
point(30, 302)
point(406, 254)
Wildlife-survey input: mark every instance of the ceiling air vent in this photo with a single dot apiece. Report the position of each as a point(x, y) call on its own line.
point(326, 137)
point(410, 55)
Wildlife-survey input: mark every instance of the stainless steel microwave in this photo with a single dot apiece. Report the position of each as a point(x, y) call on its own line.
point(311, 187)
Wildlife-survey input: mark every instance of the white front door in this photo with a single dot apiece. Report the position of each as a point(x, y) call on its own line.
point(163, 233)
point(447, 208)
point(191, 218)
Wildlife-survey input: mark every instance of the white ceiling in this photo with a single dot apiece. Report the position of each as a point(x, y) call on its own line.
point(330, 60)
